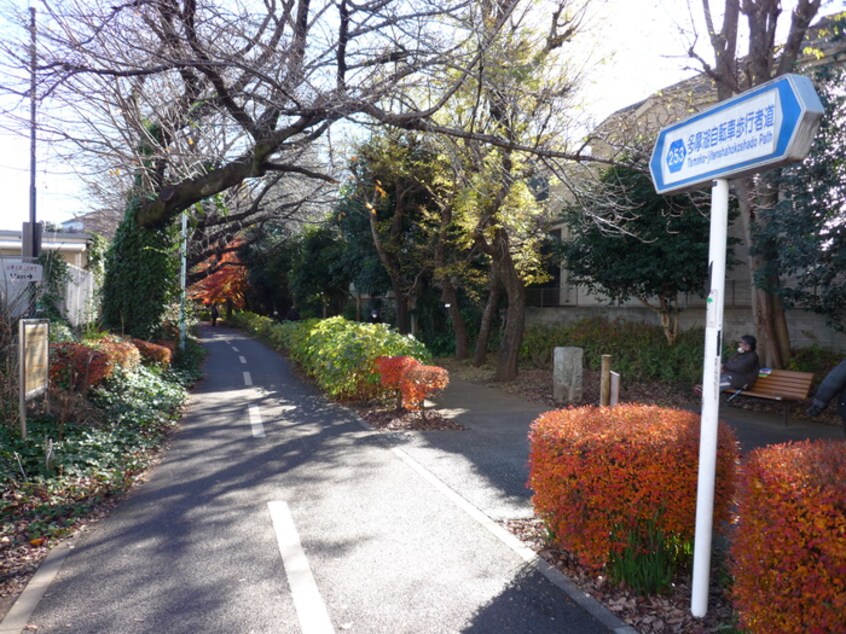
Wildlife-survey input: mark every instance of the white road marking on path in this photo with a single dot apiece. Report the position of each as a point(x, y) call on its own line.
point(311, 610)
point(255, 422)
point(242, 359)
point(234, 349)
point(248, 380)
point(498, 531)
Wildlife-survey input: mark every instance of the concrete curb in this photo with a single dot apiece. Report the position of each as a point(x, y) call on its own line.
point(18, 616)
point(585, 601)
point(555, 576)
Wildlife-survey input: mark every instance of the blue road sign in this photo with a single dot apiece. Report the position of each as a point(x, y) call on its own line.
point(770, 125)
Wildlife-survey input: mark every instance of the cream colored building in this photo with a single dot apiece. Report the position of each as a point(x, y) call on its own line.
point(73, 247)
point(635, 127)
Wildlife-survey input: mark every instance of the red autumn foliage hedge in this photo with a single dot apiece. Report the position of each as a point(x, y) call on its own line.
point(599, 473)
point(789, 550)
point(419, 382)
point(414, 381)
point(170, 344)
point(121, 352)
point(153, 352)
point(390, 370)
point(76, 366)
point(80, 365)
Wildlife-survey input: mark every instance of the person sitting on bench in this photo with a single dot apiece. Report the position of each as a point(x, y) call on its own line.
point(741, 369)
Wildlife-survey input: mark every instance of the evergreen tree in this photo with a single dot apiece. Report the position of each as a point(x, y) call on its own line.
point(807, 229)
point(634, 243)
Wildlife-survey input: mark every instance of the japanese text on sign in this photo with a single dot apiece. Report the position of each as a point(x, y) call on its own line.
point(746, 131)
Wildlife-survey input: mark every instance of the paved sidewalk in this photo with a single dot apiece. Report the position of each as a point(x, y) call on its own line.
point(484, 468)
point(757, 429)
point(277, 511)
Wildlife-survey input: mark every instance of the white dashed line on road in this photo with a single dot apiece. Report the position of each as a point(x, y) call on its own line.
point(234, 349)
point(248, 380)
point(242, 359)
point(311, 609)
point(255, 422)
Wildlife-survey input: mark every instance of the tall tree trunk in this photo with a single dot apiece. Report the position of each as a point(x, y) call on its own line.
point(668, 312)
point(459, 328)
point(515, 319)
point(449, 295)
point(763, 62)
point(767, 309)
point(488, 315)
point(401, 313)
point(392, 269)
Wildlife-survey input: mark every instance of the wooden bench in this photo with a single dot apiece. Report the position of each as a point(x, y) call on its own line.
point(785, 386)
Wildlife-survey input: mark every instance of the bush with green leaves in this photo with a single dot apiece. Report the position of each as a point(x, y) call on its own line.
point(141, 276)
point(52, 289)
point(639, 351)
point(58, 479)
point(337, 353)
point(258, 325)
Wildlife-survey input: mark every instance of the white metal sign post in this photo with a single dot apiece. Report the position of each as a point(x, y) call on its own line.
point(710, 398)
point(771, 125)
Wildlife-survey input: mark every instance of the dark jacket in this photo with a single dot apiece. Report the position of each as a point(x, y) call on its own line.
point(742, 369)
point(832, 385)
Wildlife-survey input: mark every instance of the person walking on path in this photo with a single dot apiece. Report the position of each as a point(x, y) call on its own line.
point(833, 386)
point(214, 315)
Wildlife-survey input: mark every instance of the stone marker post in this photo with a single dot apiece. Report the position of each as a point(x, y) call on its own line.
point(567, 374)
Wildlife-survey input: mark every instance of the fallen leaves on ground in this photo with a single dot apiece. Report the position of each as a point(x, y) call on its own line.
point(391, 419)
point(665, 614)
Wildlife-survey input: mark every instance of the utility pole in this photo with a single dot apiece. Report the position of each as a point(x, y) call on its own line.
point(35, 237)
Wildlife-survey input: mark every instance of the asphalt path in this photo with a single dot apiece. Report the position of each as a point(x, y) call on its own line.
point(274, 510)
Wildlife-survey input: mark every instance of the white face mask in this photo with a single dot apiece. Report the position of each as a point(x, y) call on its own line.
point(740, 349)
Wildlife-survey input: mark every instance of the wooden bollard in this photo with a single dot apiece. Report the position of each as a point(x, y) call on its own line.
point(605, 381)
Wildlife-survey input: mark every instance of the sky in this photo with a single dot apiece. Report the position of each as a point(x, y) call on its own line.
point(642, 51)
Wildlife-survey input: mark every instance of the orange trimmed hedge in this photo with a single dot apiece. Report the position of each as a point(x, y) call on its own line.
point(121, 352)
point(413, 381)
point(76, 366)
point(601, 473)
point(789, 550)
point(81, 365)
point(390, 370)
point(419, 382)
point(153, 352)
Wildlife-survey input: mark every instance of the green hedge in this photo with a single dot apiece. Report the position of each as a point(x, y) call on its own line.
point(337, 353)
point(639, 351)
